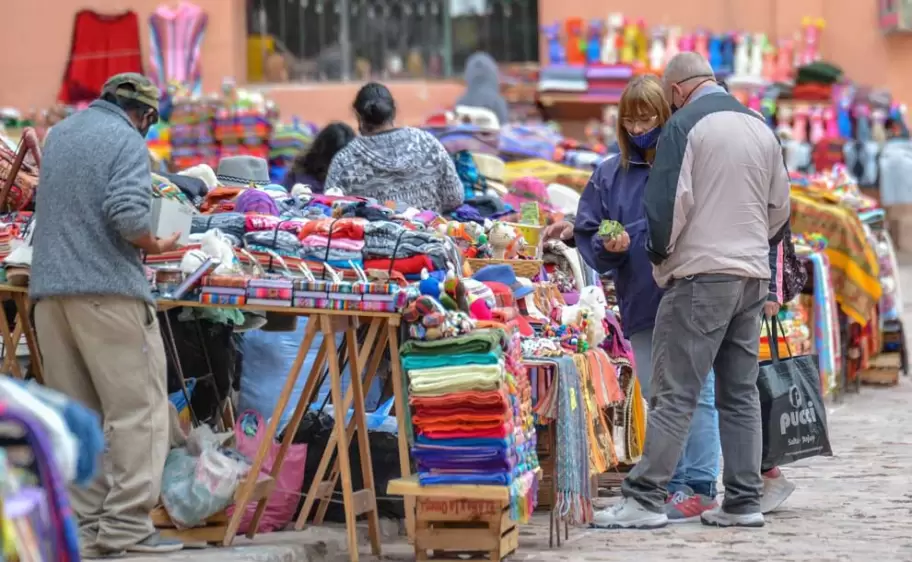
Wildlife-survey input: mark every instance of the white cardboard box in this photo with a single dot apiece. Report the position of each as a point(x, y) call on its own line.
point(170, 216)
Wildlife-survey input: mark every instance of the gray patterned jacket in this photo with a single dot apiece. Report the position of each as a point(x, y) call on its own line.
point(405, 165)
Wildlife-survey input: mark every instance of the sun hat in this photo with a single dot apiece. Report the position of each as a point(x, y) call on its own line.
point(503, 273)
point(241, 171)
point(143, 90)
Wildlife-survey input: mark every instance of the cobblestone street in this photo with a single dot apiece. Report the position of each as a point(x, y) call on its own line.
point(854, 506)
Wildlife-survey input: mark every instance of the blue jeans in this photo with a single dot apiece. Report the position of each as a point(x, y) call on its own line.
point(698, 467)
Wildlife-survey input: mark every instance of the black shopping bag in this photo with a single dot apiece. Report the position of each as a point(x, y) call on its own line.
point(794, 416)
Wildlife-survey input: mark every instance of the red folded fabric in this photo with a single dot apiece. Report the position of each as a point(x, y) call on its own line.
point(468, 418)
point(405, 266)
point(497, 433)
point(351, 228)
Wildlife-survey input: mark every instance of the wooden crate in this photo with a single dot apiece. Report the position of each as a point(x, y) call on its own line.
point(453, 522)
point(883, 369)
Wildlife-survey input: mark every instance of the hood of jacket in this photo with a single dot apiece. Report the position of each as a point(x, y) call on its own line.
point(483, 86)
point(396, 150)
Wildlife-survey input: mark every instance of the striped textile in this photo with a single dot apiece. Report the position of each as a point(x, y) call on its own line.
point(175, 46)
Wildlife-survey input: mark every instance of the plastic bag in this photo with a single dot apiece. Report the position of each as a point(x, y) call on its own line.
point(283, 502)
point(199, 480)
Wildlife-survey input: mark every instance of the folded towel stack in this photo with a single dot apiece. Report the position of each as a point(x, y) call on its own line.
point(377, 297)
point(224, 289)
point(472, 414)
point(270, 291)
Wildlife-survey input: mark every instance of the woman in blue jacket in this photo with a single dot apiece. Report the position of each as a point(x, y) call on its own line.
point(615, 192)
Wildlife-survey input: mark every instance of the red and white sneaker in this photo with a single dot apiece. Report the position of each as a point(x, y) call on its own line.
point(685, 505)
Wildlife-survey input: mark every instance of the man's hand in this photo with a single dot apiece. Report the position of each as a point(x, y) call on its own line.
point(770, 309)
point(562, 230)
point(152, 246)
point(618, 244)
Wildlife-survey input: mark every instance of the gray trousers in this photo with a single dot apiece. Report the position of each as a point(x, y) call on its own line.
point(706, 322)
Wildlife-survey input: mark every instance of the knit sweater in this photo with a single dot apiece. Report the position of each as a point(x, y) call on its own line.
point(95, 196)
point(407, 165)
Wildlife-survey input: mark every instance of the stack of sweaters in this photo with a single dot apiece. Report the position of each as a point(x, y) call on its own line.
point(472, 414)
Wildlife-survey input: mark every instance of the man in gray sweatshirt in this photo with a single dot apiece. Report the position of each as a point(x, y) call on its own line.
point(95, 315)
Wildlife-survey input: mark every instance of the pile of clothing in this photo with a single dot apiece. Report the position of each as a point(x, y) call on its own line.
point(192, 140)
point(337, 242)
point(286, 143)
point(472, 414)
point(243, 132)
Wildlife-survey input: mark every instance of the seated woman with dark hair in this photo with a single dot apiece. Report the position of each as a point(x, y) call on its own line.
point(389, 163)
point(311, 166)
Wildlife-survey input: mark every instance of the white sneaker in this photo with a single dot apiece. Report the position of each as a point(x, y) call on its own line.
point(775, 492)
point(718, 518)
point(628, 514)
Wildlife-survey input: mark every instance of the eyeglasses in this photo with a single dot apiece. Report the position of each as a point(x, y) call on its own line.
point(640, 122)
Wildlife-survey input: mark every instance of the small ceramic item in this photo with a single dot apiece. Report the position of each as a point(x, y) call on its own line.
point(701, 43)
point(556, 54)
point(672, 44)
point(628, 50)
point(742, 55)
point(657, 49)
point(758, 44)
point(830, 124)
point(593, 45)
point(784, 60)
point(686, 43)
point(715, 54)
point(642, 44)
point(613, 24)
point(800, 124)
point(818, 132)
point(575, 42)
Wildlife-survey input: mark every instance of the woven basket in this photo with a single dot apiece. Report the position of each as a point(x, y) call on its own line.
point(522, 268)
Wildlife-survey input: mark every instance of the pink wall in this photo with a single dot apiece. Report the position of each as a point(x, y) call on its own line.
point(36, 40)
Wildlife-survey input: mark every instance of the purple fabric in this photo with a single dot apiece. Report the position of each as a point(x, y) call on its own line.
point(453, 464)
point(256, 201)
point(291, 178)
point(618, 72)
point(490, 478)
point(65, 539)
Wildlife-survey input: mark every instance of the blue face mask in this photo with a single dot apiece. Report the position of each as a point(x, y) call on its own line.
point(647, 140)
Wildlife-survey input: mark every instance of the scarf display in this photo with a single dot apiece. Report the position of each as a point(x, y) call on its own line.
point(826, 312)
point(175, 46)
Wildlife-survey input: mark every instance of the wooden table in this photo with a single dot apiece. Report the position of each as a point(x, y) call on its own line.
point(382, 334)
point(19, 295)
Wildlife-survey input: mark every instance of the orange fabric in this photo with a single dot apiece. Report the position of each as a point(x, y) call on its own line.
point(459, 425)
point(219, 198)
point(476, 398)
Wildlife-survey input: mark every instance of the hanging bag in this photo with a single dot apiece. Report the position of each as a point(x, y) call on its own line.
point(791, 406)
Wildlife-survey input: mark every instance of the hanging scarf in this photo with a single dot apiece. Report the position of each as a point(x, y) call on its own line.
point(574, 494)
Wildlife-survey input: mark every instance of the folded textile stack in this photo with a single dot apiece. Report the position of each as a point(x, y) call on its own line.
point(224, 289)
point(287, 141)
point(334, 241)
point(472, 414)
point(232, 224)
point(397, 247)
point(6, 240)
point(562, 78)
point(608, 80)
point(243, 131)
point(192, 141)
point(270, 291)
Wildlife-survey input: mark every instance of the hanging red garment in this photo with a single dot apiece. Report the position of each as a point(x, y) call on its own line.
point(103, 45)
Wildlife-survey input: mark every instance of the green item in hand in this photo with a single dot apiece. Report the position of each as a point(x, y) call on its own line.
point(610, 229)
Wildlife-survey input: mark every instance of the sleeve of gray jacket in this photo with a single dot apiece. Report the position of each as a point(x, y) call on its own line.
point(669, 195)
point(128, 200)
point(779, 206)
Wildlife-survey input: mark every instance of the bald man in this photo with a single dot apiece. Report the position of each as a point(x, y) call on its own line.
point(717, 198)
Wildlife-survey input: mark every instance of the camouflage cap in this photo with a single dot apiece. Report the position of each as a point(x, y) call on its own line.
point(144, 91)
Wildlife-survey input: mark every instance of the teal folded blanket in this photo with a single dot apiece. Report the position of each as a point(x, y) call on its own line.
point(479, 341)
point(410, 362)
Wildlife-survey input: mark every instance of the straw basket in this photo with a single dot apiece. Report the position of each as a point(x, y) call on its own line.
point(522, 268)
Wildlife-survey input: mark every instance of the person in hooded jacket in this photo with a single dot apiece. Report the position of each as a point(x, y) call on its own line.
point(389, 163)
point(483, 86)
point(615, 192)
